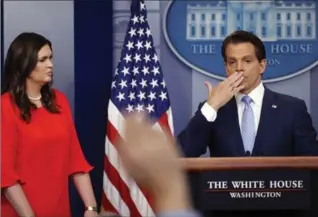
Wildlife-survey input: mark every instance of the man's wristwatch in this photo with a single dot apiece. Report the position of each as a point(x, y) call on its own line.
point(91, 208)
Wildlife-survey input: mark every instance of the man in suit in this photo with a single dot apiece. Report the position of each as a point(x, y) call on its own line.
point(241, 117)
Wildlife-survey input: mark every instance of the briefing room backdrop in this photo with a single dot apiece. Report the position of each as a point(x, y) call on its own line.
point(188, 35)
point(87, 36)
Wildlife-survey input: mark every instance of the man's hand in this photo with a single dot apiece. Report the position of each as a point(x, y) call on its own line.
point(149, 156)
point(222, 93)
point(151, 159)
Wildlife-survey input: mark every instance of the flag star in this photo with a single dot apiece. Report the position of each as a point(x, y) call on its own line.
point(154, 83)
point(135, 19)
point(123, 84)
point(139, 107)
point(130, 108)
point(163, 83)
point(121, 96)
point(132, 32)
point(138, 84)
point(148, 32)
point(143, 83)
point(147, 58)
point(139, 44)
point(131, 96)
point(155, 70)
point(114, 84)
point(141, 32)
point(152, 95)
point(142, 19)
point(135, 70)
point(155, 58)
point(130, 45)
point(137, 57)
point(163, 95)
point(133, 83)
point(125, 71)
point(145, 70)
point(141, 95)
point(147, 45)
point(127, 58)
point(150, 108)
point(142, 6)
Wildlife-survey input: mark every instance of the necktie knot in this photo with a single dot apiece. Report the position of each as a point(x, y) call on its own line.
point(247, 100)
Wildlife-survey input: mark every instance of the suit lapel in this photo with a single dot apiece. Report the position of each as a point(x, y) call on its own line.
point(234, 127)
point(267, 113)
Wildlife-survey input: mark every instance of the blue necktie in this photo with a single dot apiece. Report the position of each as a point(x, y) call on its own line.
point(248, 125)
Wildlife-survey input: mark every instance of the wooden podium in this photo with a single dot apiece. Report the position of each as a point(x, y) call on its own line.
point(254, 186)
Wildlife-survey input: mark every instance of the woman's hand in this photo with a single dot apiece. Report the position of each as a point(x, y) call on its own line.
point(89, 213)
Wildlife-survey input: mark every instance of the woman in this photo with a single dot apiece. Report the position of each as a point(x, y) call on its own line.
point(40, 148)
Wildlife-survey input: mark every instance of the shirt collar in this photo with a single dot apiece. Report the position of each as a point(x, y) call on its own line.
point(256, 95)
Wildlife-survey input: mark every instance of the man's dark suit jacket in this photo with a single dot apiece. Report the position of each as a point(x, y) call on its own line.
point(285, 129)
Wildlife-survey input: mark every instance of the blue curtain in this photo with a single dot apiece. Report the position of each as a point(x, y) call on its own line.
point(93, 73)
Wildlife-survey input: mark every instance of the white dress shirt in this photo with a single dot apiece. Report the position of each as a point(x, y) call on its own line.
point(256, 95)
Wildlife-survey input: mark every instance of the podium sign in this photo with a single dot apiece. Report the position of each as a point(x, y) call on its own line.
point(274, 189)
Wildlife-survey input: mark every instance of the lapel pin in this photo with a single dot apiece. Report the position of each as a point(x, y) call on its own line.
point(274, 106)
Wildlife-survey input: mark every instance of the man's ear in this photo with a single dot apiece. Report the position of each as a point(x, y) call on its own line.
point(263, 64)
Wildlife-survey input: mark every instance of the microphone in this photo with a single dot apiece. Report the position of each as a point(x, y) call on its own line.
point(247, 153)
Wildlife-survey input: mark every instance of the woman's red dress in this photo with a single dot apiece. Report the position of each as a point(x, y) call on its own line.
point(41, 156)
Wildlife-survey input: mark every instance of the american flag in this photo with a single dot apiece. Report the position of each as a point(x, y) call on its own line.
point(137, 86)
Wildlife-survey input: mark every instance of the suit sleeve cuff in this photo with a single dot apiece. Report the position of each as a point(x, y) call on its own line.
point(208, 112)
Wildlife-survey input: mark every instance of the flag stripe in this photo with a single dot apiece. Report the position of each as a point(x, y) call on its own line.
point(170, 120)
point(106, 204)
point(124, 191)
point(164, 124)
point(116, 119)
point(137, 196)
point(112, 194)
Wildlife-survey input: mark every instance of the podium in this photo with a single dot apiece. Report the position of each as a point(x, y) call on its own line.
point(254, 186)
